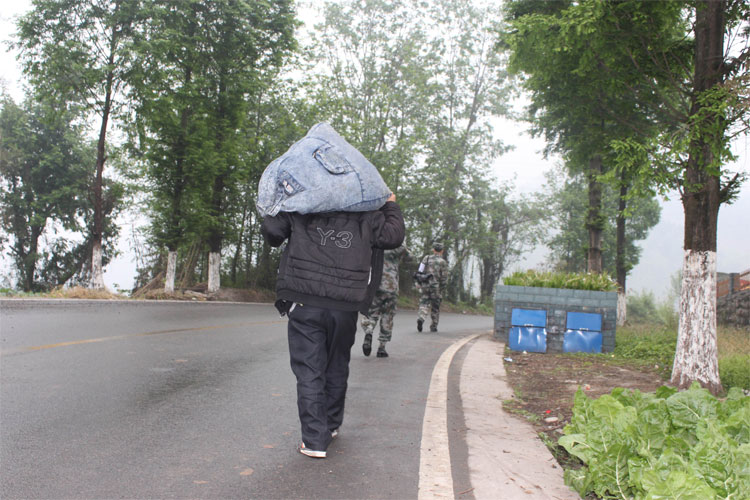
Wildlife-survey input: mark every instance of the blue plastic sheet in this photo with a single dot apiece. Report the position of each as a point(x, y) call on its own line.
point(582, 341)
point(528, 317)
point(527, 338)
point(528, 332)
point(584, 321)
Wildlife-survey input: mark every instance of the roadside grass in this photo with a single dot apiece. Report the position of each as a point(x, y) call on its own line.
point(510, 405)
point(515, 404)
point(644, 344)
point(79, 292)
point(651, 344)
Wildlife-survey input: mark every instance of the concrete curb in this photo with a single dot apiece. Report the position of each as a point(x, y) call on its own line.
point(506, 457)
point(435, 478)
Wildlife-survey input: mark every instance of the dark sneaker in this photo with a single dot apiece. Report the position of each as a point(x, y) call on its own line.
point(367, 346)
point(419, 324)
point(433, 328)
point(382, 353)
point(311, 453)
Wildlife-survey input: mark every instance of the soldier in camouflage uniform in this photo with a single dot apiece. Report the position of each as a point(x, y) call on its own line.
point(383, 306)
point(432, 291)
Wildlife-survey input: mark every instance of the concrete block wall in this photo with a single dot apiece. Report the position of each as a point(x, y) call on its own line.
point(558, 302)
point(734, 308)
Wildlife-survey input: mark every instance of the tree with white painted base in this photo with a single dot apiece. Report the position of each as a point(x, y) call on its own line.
point(691, 157)
point(696, 356)
point(669, 59)
point(78, 53)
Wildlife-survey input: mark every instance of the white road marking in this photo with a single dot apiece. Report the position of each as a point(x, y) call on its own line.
point(435, 477)
point(132, 335)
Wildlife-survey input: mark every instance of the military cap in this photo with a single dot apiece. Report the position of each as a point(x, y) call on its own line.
point(437, 246)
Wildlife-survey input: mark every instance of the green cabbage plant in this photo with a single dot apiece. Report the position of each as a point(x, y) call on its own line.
point(662, 445)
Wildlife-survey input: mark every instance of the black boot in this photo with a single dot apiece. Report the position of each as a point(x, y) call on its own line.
point(367, 346)
point(419, 324)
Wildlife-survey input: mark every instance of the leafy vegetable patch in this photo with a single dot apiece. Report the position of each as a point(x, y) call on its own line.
point(666, 444)
point(575, 281)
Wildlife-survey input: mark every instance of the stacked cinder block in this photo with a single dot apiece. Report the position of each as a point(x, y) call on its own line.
point(558, 302)
point(734, 308)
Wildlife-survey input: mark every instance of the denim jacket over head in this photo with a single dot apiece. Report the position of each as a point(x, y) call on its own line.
point(321, 173)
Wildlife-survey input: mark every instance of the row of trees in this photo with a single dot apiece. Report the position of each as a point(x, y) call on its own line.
point(647, 96)
point(203, 95)
point(638, 97)
point(45, 204)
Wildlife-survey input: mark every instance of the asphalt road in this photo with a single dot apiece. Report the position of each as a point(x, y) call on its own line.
point(197, 400)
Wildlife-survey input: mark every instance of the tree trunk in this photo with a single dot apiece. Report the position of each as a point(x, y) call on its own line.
point(214, 272)
point(620, 265)
point(265, 276)
point(250, 252)
point(191, 260)
point(696, 355)
point(485, 278)
point(216, 209)
point(622, 307)
point(30, 258)
point(240, 238)
point(176, 216)
point(171, 271)
point(97, 275)
point(594, 218)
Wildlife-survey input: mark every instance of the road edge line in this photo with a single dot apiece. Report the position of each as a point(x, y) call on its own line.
point(435, 476)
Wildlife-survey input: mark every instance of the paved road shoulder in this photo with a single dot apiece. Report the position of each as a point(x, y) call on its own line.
point(506, 458)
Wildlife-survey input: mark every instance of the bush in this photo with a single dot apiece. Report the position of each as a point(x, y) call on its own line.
point(649, 345)
point(643, 308)
point(666, 444)
point(654, 344)
point(735, 371)
point(575, 281)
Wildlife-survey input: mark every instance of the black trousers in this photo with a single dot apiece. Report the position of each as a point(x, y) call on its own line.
point(320, 344)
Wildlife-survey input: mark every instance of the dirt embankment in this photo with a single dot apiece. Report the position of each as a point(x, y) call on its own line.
point(545, 385)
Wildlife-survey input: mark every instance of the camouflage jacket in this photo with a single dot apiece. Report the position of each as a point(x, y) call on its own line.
point(437, 266)
point(391, 260)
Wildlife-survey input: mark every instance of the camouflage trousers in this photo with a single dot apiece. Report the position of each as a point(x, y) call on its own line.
point(383, 308)
point(429, 303)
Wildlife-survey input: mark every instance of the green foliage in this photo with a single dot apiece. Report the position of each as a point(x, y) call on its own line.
point(667, 444)
point(644, 308)
point(653, 347)
point(734, 371)
point(568, 200)
point(209, 110)
point(77, 54)
point(574, 59)
point(658, 89)
point(576, 281)
point(45, 163)
point(414, 90)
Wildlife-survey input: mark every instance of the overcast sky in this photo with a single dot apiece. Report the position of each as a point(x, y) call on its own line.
point(525, 165)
